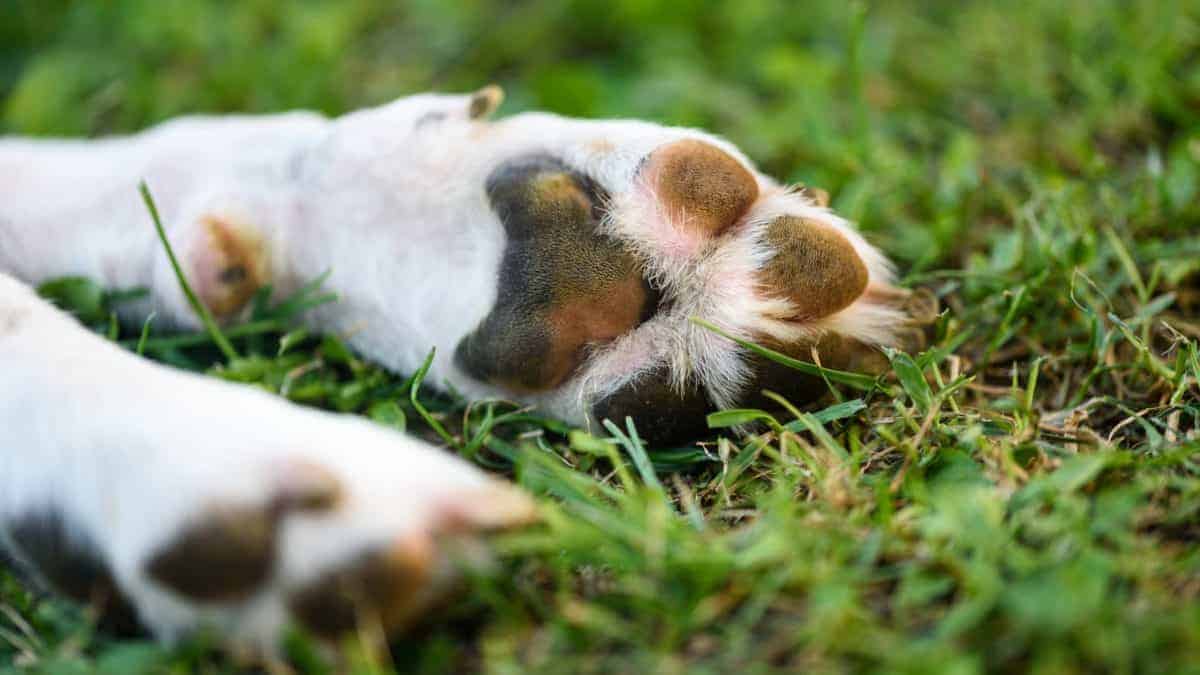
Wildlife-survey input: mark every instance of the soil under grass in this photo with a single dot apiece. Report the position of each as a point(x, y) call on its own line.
point(1024, 496)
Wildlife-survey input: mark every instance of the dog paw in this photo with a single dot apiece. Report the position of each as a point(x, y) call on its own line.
point(324, 526)
point(184, 503)
point(614, 248)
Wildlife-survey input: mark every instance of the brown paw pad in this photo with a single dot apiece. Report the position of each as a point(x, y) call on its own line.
point(69, 563)
point(815, 195)
point(663, 416)
point(813, 266)
point(834, 351)
point(230, 551)
point(394, 585)
point(563, 285)
point(702, 183)
point(389, 586)
point(225, 556)
point(229, 266)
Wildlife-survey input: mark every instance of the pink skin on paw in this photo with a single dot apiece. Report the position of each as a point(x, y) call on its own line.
point(669, 231)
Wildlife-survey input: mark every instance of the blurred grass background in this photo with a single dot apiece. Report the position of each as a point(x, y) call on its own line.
point(901, 109)
point(1031, 505)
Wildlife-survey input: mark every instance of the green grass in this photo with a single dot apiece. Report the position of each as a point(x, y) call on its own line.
point(1022, 497)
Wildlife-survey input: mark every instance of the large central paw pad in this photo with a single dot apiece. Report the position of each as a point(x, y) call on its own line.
point(563, 285)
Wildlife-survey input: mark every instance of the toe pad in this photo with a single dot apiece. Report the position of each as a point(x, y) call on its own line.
point(707, 186)
point(814, 266)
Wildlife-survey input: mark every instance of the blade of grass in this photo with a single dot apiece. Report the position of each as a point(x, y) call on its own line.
point(856, 380)
point(141, 343)
point(201, 311)
point(837, 411)
point(636, 451)
point(196, 339)
point(415, 387)
point(304, 299)
point(912, 379)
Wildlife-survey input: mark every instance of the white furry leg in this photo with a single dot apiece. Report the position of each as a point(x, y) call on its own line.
point(192, 502)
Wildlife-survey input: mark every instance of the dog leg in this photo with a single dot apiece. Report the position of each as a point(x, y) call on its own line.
point(556, 262)
point(222, 186)
point(188, 502)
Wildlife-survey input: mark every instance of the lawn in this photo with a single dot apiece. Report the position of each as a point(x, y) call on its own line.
point(1024, 496)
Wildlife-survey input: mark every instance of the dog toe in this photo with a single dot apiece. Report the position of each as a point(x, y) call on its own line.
point(229, 552)
point(394, 584)
point(813, 266)
point(703, 184)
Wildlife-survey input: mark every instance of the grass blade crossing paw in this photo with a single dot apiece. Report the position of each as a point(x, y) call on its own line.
point(198, 307)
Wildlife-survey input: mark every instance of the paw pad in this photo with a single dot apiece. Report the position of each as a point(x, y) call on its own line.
point(225, 556)
point(229, 267)
point(229, 552)
point(813, 266)
point(69, 563)
point(663, 415)
point(563, 285)
point(393, 585)
point(389, 586)
point(704, 184)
